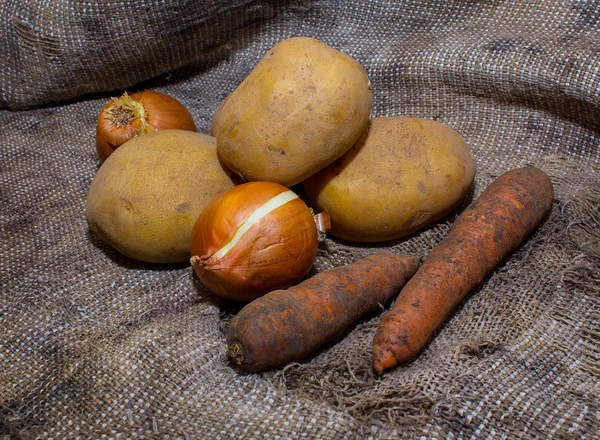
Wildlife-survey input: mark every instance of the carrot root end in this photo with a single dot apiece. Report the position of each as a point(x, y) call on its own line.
point(236, 353)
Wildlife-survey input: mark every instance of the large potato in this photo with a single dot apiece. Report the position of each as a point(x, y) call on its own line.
point(145, 198)
point(302, 107)
point(400, 175)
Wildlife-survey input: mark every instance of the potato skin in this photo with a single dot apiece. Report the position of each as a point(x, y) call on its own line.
point(302, 107)
point(402, 174)
point(147, 195)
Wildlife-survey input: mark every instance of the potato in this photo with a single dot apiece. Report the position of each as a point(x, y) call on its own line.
point(302, 107)
point(147, 195)
point(402, 174)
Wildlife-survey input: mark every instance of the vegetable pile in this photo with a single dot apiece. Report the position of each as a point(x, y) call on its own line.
point(223, 201)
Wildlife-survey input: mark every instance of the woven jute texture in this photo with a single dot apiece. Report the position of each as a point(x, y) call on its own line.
point(94, 345)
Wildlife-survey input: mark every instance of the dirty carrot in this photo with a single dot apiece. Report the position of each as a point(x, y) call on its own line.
point(489, 230)
point(287, 325)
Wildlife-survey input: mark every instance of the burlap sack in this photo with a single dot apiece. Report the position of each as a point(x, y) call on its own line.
point(56, 50)
point(93, 345)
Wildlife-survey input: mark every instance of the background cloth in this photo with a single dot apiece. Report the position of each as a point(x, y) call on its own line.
point(93, 345)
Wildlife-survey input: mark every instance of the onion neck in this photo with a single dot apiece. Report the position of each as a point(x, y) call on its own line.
point(322, 220)
point(126, 110)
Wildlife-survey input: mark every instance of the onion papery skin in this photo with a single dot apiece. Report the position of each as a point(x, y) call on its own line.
point(274, 253)
point(161, 112)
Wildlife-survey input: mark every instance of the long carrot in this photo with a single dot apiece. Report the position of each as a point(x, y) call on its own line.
point(287, 325)
point(489, 230)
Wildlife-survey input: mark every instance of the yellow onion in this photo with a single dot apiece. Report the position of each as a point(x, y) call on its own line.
point(252, 239)
point(139, 113)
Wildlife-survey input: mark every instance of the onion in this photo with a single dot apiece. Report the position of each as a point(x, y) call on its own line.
point(131, 115)
point(252, 239)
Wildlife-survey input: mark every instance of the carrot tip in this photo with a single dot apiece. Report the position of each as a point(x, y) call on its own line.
point(236, 353)
point(378, 369)
point(382, 359)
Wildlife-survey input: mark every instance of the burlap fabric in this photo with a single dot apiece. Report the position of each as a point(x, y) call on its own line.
point(93, 345)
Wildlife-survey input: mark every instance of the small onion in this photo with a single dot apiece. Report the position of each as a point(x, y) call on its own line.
point(252, 239)
point(131, 115)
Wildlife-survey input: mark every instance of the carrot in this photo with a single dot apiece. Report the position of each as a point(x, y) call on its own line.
point(489, 230)
point(287, 325)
